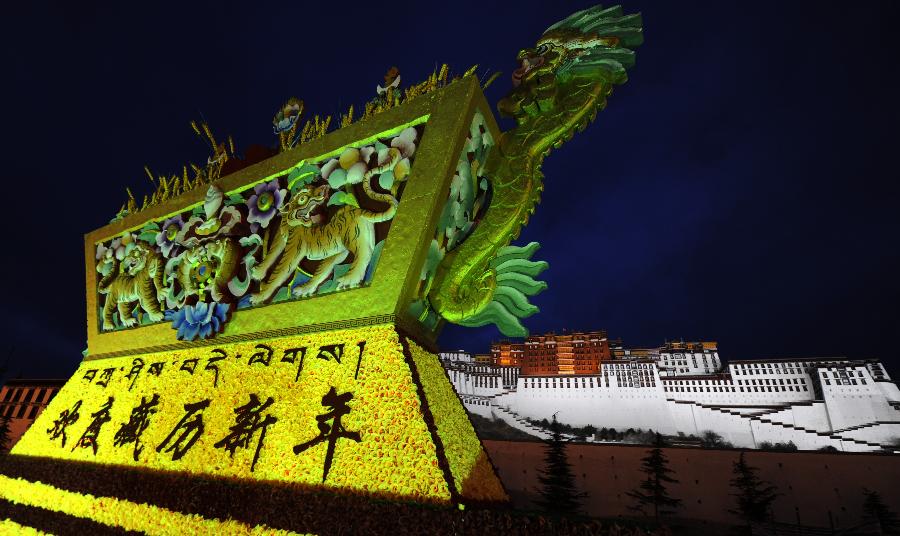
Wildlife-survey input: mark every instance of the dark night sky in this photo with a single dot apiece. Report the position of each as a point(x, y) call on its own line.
point(741, 187)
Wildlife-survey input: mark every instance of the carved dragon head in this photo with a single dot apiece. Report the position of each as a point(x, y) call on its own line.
point(592, 46)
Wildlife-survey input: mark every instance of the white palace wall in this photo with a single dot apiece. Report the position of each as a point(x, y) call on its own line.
point(813, 404)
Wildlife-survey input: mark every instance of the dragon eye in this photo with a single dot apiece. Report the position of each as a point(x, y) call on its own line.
point(543, 48)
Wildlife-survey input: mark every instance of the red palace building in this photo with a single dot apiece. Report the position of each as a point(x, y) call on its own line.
point(571, 353)
point(21, 401)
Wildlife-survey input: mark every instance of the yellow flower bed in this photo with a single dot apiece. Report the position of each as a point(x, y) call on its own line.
point(10, 527)
point(119, 513)
point(394, 457)
point(471, 469)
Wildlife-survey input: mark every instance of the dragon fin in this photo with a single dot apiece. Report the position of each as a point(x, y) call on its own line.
point(515, 272)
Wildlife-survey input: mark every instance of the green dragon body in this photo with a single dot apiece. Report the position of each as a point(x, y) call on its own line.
point(562, 82)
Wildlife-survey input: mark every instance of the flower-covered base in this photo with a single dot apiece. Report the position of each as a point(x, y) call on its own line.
point(364, 412)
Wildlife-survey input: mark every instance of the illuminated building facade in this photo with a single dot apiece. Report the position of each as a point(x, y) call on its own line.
point(484, 359)
point(573, 353)
point(680, 387)
point(507, 354)
point(677, 358)
point(21, 401)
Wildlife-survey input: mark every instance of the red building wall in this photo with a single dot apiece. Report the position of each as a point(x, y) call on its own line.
point(21, 401)
point(550, 354)
point(813, 484)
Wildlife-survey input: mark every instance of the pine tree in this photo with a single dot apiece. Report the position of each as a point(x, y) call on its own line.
point(559, 494)
point(652, 491)
point(4, 433)
point(877, 511)
point(754, 495)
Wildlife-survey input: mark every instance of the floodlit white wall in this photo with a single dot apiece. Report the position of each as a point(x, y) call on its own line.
point(758, 402)
point(688, 363)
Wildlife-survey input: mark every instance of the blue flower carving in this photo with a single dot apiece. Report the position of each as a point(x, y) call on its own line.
point(199, 321)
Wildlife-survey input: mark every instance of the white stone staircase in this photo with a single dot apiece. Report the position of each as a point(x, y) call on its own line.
point(764, 424)
point(519, 423)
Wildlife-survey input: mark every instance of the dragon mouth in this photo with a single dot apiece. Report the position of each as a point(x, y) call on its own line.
point(526, 65)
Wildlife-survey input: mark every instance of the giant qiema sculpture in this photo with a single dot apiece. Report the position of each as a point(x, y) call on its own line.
point(275, 324)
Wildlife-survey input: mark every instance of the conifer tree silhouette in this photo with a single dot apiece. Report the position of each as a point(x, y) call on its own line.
point(559, 494)
point(652, 492)
point(754, 495)
point(878, 512)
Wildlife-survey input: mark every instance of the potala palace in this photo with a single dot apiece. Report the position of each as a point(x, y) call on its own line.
point(586, 379)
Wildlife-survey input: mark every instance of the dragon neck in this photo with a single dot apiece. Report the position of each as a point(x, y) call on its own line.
point(464, 283)
point(575, 107)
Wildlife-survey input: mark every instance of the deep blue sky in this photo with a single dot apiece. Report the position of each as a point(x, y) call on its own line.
point(742, 187)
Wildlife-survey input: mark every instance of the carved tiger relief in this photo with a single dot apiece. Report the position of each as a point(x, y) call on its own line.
point(350, 230)
point(137, 277)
